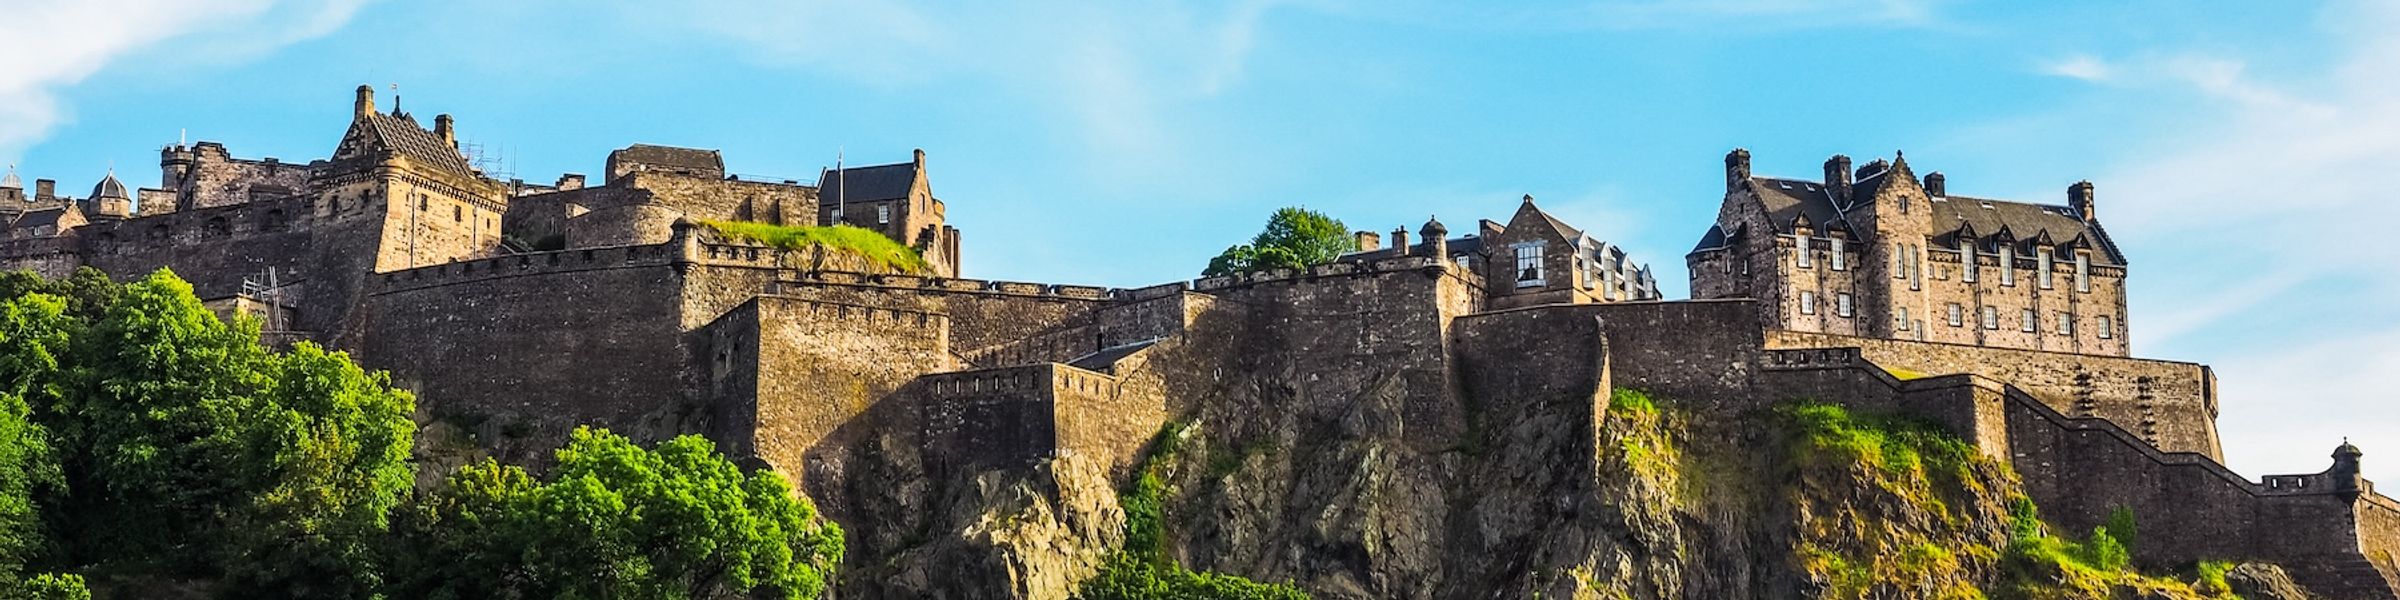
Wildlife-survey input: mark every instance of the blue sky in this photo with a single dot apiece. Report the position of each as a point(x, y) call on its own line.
point(2238, 149)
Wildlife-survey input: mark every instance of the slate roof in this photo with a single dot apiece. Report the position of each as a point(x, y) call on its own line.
point(109, 187)
point(866, 184)
point(2023, 221)
point(669, 156)
point(1788, 198)
point(39, 218)
point(1108, 357)
point(400, 134)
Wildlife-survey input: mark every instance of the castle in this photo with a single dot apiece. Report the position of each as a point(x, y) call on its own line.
point(534, 309)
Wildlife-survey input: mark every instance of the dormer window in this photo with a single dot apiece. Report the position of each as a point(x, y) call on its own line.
point(1804, 249)
point(1966, 261)
point(2043, 262)
point(2008, 266)
point(1529, 264)
point(1841, 261)
point(2083, 272)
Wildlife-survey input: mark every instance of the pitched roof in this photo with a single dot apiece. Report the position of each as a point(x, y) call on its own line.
point(40, 217)
point(2023, 221)
point(1786, 199)
point(866, 184)
point(693, 159)
point(400, 135)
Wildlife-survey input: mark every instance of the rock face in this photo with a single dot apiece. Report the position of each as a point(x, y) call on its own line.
point(2263, 582)
point(1564, 496)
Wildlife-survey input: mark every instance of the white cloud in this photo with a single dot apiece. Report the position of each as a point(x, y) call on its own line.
point(1714, 14)
point(1110, 69)
point(47, 46)
point(2080, 66)
point(2272, 208)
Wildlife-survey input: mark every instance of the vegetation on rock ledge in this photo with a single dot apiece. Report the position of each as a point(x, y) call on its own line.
point(1141, 570)
point(866, 243)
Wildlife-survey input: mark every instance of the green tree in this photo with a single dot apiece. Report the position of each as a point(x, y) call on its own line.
point(330, 446)
point(1294, 238)
point(52, 586)
point(33, 331)
point(619, 521)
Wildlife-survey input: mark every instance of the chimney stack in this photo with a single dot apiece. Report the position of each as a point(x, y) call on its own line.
point(1935, 184)
point(366, 101)
point(45, 189)
point(1737, 169)
point(1399, 241)
point(1837, 178)
point(1367, 241)
point(570, 181)
point(441, 127)
point(2079, 198)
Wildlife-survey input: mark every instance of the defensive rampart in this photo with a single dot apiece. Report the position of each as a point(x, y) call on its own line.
point(2172, 405)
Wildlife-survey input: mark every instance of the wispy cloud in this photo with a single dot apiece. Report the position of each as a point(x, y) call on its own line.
point(2268, 200)
point(1109, 68)
point(45, 47)
point(2080, 66)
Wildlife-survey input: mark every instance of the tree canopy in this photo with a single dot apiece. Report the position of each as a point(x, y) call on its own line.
point(145, 439)
point(1293, 238)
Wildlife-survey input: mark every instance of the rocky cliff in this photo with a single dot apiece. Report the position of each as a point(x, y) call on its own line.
point(1557, 495)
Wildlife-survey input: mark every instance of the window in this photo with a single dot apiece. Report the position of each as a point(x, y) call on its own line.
point(1529, 264)
point(1991, 318)
point(2042, 257)
point(1966, 261)
point(2083, 272)
point(1841, 256)
point(2032, 320)
point(2008, 266)
point(1841, 304)
point(458, 214)
point(1902, 317)
point(422, 205)
point(2066, 323)
point(1806, 250)
point(1808, 303)
point(1463, 261)
point(883, 214)
point(1899, 261)
point(1958, 315)
point(2108, 329)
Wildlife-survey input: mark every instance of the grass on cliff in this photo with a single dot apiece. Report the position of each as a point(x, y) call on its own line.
point(1142, 570)
point(866, 243)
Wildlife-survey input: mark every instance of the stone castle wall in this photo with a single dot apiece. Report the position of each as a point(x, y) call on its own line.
point(210, 177)
point(788, 372)
point(214, 248)
point(2172, 405)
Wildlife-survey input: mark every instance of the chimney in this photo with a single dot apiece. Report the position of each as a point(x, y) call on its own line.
point(1367, 241)
point(1837, 178)
point(45, 189)
point(2079, 197)
point(920, 159)
point(441, 127)
point(366, 101)
point(1934, 185)
point(1399, 241)
point(1737, 169)
point(1437, 238)
point(570, 181)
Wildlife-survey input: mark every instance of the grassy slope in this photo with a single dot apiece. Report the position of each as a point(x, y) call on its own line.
point(855, 240)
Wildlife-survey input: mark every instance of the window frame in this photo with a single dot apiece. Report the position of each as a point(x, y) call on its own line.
point(2033, 321)
point(2066, 323)
point(2107, 326)
point(1958, 315)
point(1530, 271)
point(1842, 305)
point(1808, 303)
point(1991, 317)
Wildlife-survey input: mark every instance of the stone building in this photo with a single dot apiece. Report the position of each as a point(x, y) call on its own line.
point(1533, 259)
point(895, 199)
point(1877, 252)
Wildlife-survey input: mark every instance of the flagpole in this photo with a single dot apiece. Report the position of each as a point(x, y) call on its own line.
point(841, 195)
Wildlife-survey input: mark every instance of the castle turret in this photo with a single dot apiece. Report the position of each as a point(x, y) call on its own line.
point(1737, 169)
point(2346, 479)
point(10, 180)
point(109, 199)
point(1837, 178)
point(2079, 198)
point(1437, 238)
